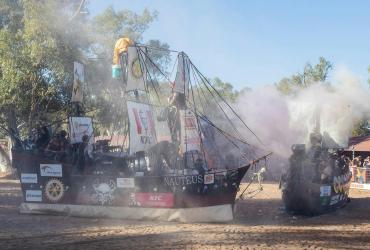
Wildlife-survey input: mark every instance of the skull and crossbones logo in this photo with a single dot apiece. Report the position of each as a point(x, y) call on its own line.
point(104, 192)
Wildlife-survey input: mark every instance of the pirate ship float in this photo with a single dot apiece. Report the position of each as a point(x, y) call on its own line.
point(192, 175)
point(318, 178)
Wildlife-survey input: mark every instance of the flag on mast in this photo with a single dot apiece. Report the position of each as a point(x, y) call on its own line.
point(136, 70)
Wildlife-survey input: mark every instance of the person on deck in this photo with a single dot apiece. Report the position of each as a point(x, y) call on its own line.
point(43, 138)
point(84, 156)
point(59, 143)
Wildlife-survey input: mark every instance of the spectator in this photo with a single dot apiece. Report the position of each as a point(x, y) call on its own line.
point(366, 163)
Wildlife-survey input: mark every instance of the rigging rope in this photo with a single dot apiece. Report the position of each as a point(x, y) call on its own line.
point(203, 77)
point(157, 48)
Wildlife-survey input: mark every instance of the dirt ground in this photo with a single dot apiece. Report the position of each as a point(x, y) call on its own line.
point(261, 223)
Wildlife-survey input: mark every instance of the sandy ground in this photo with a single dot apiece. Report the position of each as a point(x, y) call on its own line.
point(261, 223)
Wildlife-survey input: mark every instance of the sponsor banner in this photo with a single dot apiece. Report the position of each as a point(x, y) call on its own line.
point(136, 73)
point(125, 182)
point(190, 139)
point(325, 191)
point(142, 129)
point(33, 195)
point(164, 200)
point(209, 178)
point(78, 80)
point(28, 178)
point(54, 170)
point(80, 126)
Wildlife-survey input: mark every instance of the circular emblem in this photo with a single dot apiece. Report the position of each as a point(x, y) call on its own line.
point(136, 68)
point(54, 190)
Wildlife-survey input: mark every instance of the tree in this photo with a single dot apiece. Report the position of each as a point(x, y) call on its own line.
point(310, 75)
point(37, 52)
point(107, 93)
point(225, 89)
point(361, 128)
point(40, 40)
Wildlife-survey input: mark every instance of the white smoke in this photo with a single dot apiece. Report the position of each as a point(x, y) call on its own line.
point(280, 120)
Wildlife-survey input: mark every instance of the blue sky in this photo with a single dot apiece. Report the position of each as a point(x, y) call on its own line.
point(254, 43)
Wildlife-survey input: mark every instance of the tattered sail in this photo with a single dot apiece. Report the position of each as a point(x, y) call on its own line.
point(142, 129)
point(136, 71)
point(190, 138)
point(78, 80)
point(182, 75)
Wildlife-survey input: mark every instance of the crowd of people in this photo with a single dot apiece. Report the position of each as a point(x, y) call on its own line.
point(59, 147)
point(358, 162)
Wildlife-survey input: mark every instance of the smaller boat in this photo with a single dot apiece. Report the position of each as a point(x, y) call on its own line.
point(318, 178)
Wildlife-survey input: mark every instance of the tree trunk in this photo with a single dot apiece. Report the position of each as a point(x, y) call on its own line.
point(5, 162)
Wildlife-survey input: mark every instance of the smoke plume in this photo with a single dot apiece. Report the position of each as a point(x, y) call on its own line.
point(282, 120)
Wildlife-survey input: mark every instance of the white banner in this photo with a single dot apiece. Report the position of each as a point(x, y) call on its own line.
point(78, 80)
point(189, 131)
point(28, 178)
point(80, 126)
point(54, 170)
point(136, 70)
point(33, 195)
point(182, 74)
point(142, 129)
point(125, 182)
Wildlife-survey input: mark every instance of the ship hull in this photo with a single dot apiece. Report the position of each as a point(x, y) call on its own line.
point(51, 186)
point(217, 213)
point(308, 198)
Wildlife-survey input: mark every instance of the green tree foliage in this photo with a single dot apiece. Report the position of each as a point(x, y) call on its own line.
point(40, 40)
point(36, 51)
point(225, 89)
point(311, 74)
point(361, 128)
point(108, 94)
point(210, 101)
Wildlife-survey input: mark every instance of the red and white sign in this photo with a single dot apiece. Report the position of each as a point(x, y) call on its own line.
point(142, 129)
point(209, 178)
point(152, 199)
